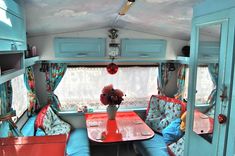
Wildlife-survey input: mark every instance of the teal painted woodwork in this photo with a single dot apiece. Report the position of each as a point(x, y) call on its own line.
point(143, 48)
point(12, 7)
point(31, 61)
point(212, 6)
point(12, 27)
point(223, 143)
point(80, 47)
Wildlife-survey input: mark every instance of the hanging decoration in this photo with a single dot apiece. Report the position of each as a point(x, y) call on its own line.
point(112, 68)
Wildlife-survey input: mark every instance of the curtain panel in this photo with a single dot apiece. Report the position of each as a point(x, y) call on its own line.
point(54, 75)
point(29, 81)
point(214, 71)
point(7, 127)
point(181, 82)
point(164, 75)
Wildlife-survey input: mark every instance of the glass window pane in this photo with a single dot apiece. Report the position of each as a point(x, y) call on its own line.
point(82, 86)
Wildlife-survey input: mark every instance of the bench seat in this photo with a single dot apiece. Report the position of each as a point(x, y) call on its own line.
point(152, 147)
point(77, 144)
point(160, 113)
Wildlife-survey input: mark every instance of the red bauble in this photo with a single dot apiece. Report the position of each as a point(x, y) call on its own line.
point(112, 68)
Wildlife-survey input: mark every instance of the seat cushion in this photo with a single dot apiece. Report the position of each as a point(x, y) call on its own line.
point(78, 143)
point(152, 147)
point(28, 128)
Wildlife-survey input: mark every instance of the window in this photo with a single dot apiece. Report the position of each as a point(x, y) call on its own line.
point(19, 95)
point(82, 86)
point(204, 85)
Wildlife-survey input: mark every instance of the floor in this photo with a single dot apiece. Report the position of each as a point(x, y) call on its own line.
point(117, 149)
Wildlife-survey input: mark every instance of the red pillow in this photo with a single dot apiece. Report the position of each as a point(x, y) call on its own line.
point(40, 117)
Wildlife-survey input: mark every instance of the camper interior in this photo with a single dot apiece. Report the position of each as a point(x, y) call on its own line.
point(117, 77)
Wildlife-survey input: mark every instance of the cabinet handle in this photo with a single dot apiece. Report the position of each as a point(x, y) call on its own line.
point(144, 55)
point(81, 54)
point(13, 46)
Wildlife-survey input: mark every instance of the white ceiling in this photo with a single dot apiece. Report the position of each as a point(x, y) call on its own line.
point(171, 18)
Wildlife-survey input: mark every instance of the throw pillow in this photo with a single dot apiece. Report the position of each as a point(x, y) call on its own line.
point(172, 132)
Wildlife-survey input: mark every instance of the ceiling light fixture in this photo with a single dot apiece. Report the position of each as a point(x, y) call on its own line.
point(126, 7)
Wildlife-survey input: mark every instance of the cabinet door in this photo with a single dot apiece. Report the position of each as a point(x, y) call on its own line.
point(12, 6)
point(143, 48)
point(209, 103)
point(80, 47)
point(12, 27)
point(12, 32)
point(8, 45)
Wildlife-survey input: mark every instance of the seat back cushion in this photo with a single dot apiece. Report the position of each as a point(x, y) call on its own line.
point(162, 111)
point(50, 123)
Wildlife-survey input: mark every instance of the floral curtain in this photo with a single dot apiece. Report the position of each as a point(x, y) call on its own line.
point(214, 71)
point(54, 75)
point(181, 82)
point(163, 77)
point(7, 127)
point(30, 85)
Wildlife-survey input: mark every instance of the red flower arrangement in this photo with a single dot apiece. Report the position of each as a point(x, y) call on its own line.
point(110, 96)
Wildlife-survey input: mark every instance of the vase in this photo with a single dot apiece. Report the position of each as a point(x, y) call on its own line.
point(111, 111)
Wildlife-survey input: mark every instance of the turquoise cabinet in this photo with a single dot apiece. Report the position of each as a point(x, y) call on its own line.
point(12, 26)
point(143, 48)
point(12, 7)
point(80, 47)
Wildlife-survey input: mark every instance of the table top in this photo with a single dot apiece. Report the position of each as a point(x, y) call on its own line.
point(203, 124)
point(127, 126)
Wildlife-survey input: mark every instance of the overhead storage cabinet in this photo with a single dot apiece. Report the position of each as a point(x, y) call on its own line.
point(143, 48)
point(12, 40)
point(80, 47)
point(12, 26)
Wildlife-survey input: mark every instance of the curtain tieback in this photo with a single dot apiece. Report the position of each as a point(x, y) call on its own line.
point(8, 116)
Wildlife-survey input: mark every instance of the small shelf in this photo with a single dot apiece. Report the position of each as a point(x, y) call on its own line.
point(11, 66)
point(11, 75)
point(31, 61)
point(182, 59)
point(201, 60)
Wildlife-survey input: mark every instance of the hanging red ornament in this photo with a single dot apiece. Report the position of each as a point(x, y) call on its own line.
point(112, 68)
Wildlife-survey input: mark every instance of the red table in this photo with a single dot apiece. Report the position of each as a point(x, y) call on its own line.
point(203, 124)
point(128, 126)
point(33, 146)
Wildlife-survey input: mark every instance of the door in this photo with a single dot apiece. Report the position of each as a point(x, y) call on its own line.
point(208, 87)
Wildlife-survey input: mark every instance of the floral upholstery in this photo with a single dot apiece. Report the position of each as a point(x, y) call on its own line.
point(178, 147)
point(162, 111)
point(50, 123)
